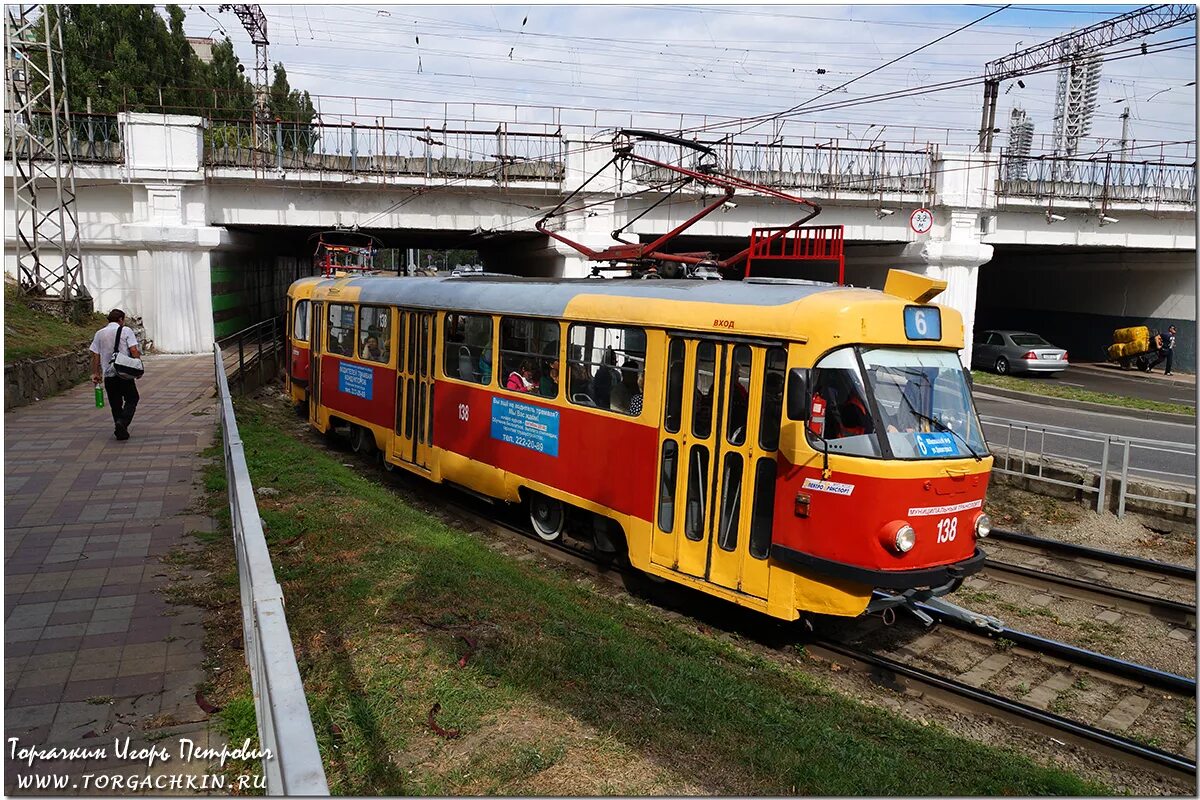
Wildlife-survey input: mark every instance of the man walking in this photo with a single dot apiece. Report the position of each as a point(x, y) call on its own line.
point(122, 392)
point(1169, 348)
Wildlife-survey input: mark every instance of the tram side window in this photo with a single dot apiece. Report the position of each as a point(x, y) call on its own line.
point(772, 399)
point(607, 367)
point(468, 347)
point(840, 417)
point(529, 355)
point(300, 321)
point(375, 333)
point(341, 329)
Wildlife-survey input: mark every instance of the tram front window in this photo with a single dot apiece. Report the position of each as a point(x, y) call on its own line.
point(918, 398)
point(924, 403)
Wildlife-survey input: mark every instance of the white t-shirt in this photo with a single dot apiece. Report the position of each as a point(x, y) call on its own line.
point(103, 343)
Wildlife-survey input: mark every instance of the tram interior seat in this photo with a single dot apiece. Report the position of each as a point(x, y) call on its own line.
point(466, 367)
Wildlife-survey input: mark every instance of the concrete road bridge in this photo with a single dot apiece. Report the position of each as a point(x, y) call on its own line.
point(186, 224)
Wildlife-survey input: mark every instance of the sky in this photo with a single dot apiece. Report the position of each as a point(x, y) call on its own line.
point(673, 66)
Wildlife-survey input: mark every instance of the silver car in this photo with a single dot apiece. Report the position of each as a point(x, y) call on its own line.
point(1006, 352)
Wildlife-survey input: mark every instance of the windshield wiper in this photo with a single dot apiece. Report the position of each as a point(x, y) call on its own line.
point(937, 423)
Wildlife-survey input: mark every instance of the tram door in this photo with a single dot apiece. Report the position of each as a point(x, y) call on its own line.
point(717, 460)
point(414, 388)
point(316, 348)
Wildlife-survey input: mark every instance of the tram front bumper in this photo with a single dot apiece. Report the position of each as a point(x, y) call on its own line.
point(882, 578)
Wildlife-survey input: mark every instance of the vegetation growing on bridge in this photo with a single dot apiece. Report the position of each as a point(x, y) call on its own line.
point(546, 683)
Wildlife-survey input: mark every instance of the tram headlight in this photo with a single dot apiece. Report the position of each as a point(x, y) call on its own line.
point(983, 526)
point(897, 537)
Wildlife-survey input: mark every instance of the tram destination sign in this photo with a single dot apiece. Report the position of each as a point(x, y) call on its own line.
point(525, 425)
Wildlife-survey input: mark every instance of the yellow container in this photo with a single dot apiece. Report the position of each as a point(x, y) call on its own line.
point(1139, 334)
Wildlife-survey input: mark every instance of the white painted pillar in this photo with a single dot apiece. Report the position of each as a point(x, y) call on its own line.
point(169, 230)
point(953, 250)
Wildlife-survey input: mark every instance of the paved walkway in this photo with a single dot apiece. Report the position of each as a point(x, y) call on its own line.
point(94, 653)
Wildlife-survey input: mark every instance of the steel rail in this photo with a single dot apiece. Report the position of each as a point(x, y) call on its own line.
point(1159, 679)
point(900, 676)
point(1167, 610)
point(1105, 556)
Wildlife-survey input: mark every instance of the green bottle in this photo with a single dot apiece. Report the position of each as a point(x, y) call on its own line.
point(99, 396)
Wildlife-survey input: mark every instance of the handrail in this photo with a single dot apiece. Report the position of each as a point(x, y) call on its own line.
point(265, 336)
point(291, 759)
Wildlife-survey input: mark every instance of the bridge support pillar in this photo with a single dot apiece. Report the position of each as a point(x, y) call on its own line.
point(955, 257)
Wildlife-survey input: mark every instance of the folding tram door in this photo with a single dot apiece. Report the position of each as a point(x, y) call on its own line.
point(316, 345)
point(413, 442)
point(718, 447)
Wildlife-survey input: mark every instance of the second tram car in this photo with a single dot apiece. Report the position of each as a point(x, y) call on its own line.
point(788, 446)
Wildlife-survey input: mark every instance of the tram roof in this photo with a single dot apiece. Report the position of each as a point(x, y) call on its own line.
point(548, 297)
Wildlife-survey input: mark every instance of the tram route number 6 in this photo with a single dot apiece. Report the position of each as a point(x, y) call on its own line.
point(464, 412)
point(947, 529)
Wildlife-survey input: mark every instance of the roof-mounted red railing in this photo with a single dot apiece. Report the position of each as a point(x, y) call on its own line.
point(793, 244)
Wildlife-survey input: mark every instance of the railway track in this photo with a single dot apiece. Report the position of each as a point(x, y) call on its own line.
point(1049, 562)
point(888, 670)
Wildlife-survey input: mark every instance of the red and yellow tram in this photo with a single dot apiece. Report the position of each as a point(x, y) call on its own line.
point(788, 446)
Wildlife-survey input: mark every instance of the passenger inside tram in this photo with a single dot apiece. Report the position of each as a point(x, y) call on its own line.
point(371, 351)
point(521, 380)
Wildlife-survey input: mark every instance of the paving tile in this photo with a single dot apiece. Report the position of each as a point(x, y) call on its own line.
point(83, 543)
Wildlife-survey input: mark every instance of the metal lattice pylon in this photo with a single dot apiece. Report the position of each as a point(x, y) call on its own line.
point(255, 22)
point(1075, 102)
point(39, 129)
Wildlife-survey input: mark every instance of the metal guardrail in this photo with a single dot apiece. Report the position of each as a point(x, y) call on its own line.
point(829, 167)
point(501, 153)
point(293, 762)
point(253, 348)
point(1022, 452)
point(1154, 180)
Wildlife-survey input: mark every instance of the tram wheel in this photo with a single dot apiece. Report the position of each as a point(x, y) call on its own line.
point(361, 440)
point(547, 516)
point(388, 466)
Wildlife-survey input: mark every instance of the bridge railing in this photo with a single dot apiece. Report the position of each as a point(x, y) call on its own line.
point(89, 138)
point(825, 166)
point(1097, 179)
point(501, 153)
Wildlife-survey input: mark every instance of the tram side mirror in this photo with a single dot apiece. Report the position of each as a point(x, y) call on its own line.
point(797, 394)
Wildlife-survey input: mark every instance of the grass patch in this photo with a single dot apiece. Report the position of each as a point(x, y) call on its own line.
point(34, 334)
point(548, 684)
point(1048, 388)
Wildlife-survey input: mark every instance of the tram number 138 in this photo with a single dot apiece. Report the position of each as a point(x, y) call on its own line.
point(464, 412)
point(947, 529)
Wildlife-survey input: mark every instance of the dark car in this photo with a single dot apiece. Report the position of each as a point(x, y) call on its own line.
point(1006, 352)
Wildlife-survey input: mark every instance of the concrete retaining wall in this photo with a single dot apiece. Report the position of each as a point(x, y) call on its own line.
point(35, 379)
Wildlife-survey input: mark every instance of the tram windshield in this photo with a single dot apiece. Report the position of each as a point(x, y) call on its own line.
point(913, 402)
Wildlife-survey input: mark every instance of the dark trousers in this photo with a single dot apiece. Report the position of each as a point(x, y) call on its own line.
point(122, 399)
point(1170, 358)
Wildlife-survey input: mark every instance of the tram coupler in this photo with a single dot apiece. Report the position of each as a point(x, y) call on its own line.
point(920, 602)
point(948, 609)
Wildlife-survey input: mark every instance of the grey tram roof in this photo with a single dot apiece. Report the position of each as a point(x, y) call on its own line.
point(549, 297)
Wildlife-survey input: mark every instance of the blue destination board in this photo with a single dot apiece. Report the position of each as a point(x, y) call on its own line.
point(933, 445)
point(922, 322)
point(356, 380)
point(525, 425)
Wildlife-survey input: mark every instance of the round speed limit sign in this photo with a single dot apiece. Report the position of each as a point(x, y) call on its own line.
point(921, 220)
